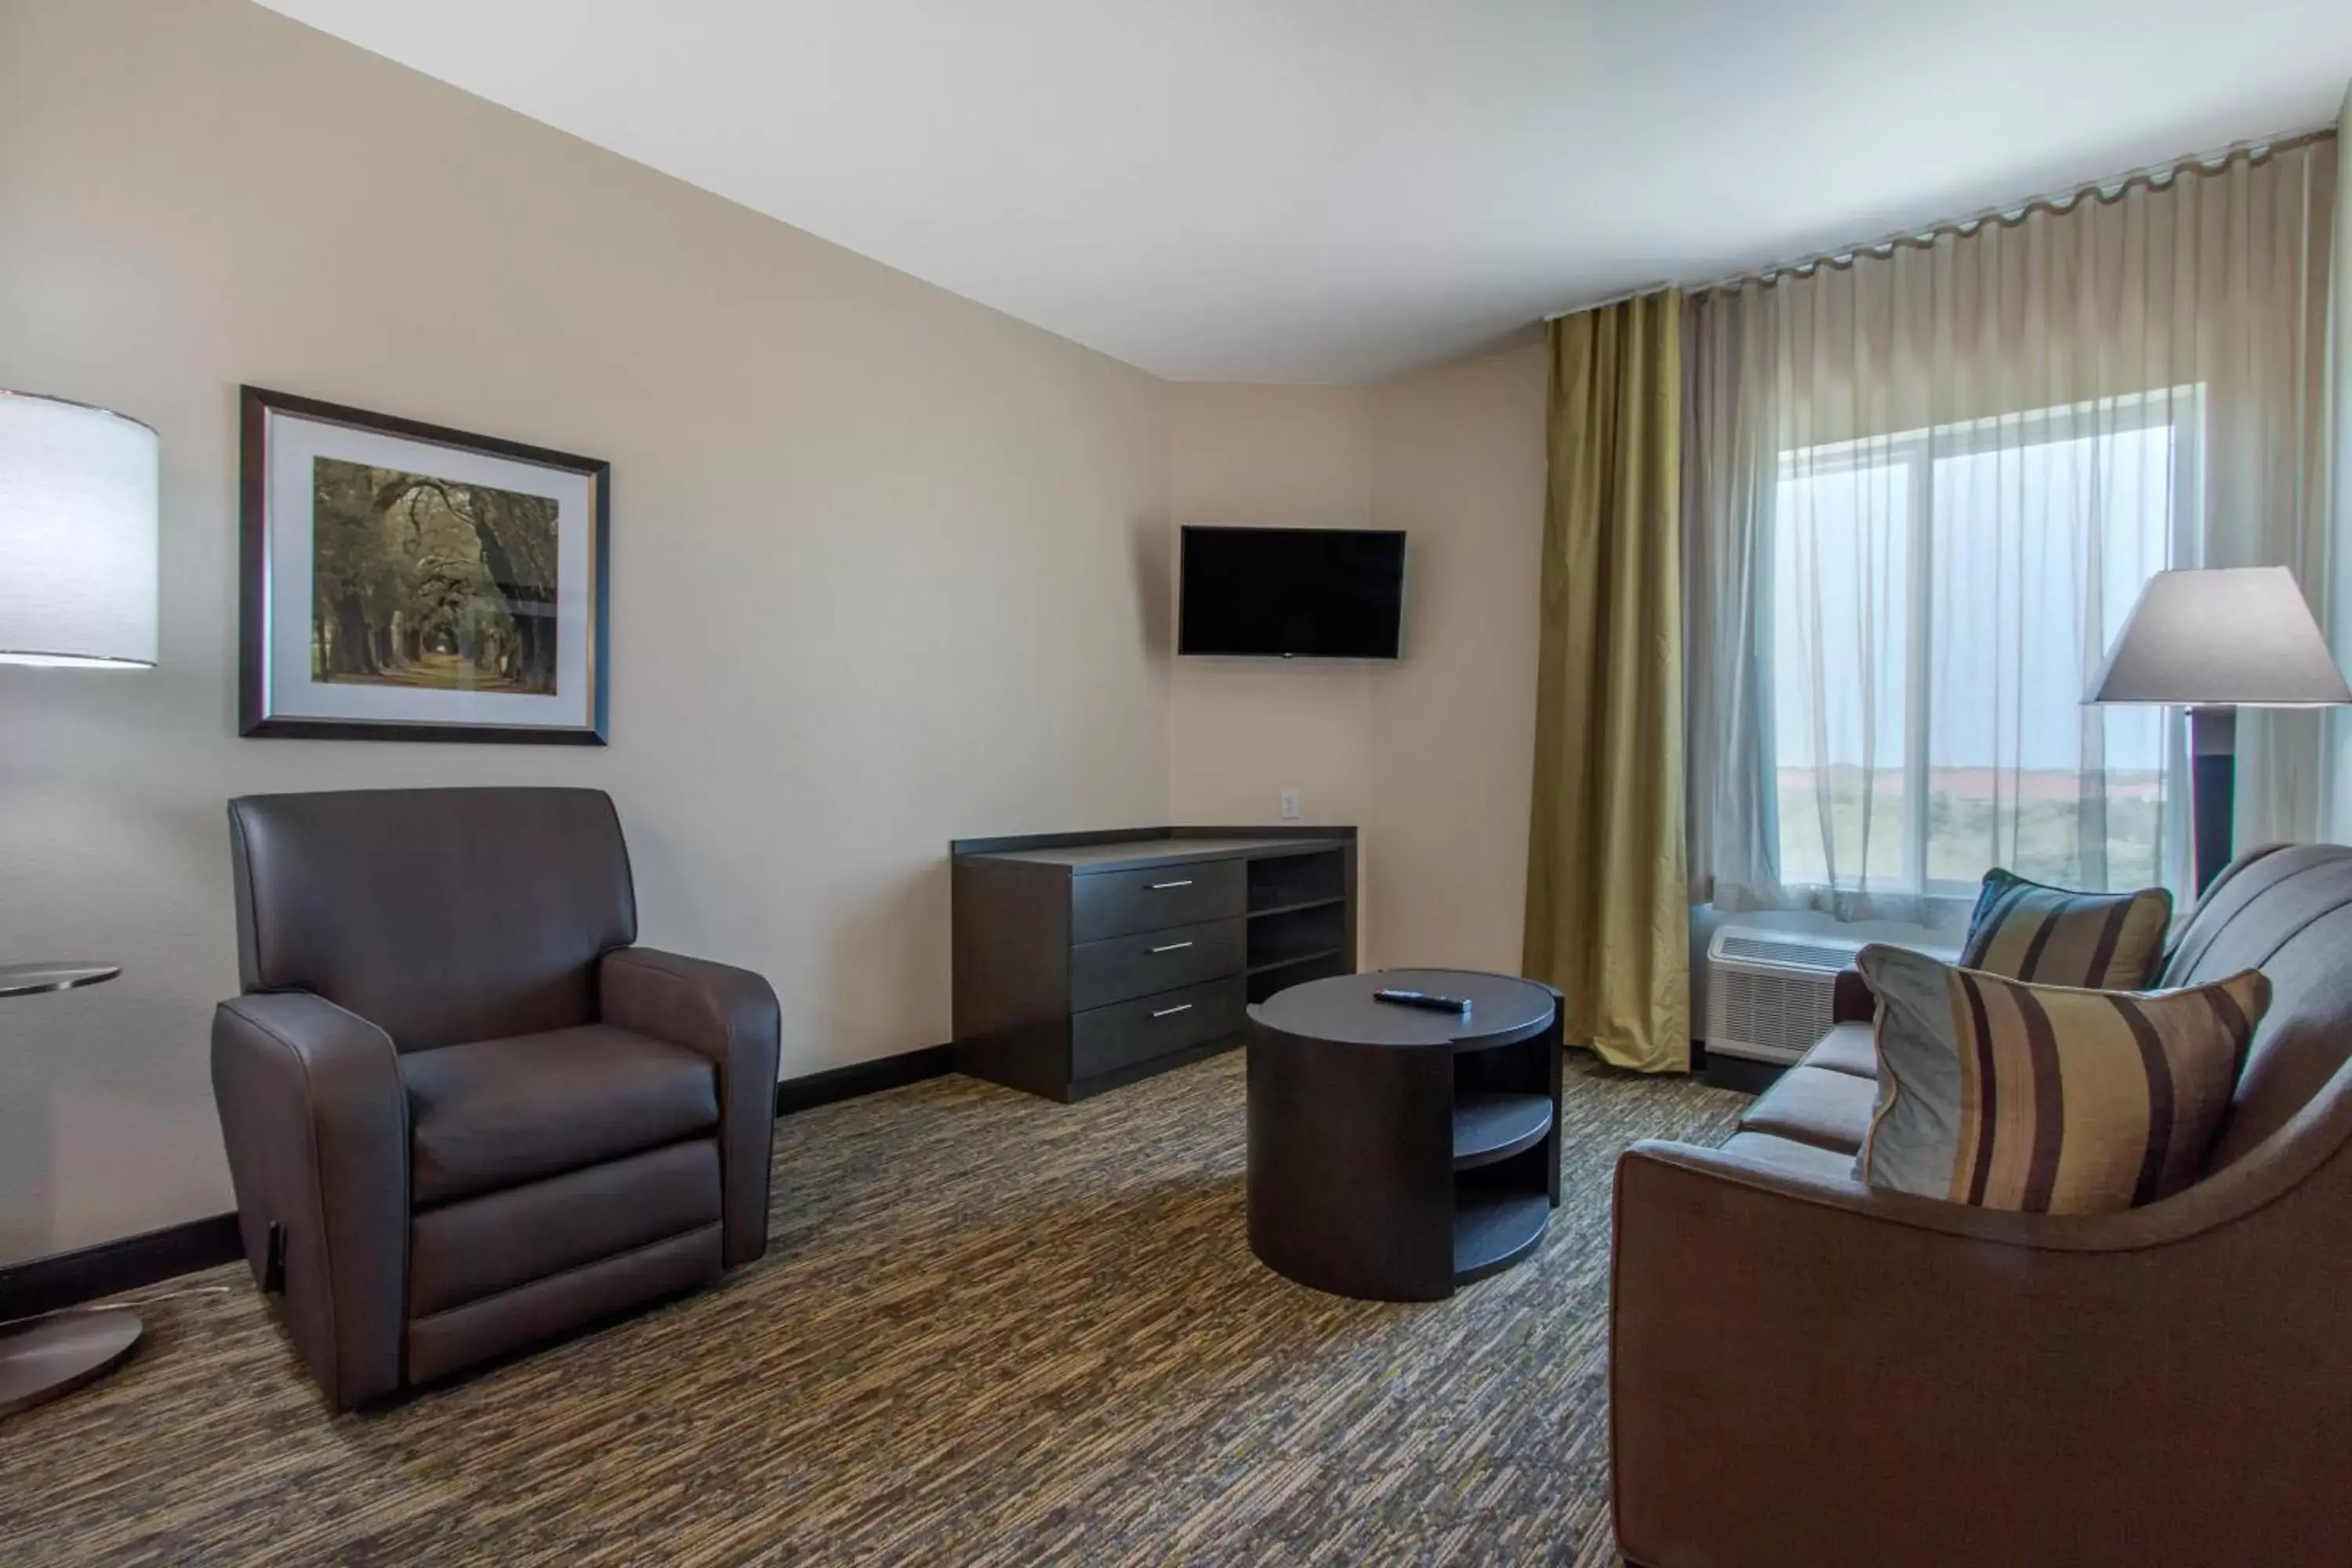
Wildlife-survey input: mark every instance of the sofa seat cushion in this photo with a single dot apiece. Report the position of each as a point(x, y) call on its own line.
point(1849, 1049)
point(1791, 1158)
point(497, 1114)
point(1813, 1105)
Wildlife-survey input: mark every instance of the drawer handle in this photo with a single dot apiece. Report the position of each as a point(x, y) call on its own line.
point(1163, 887)
point(1173, 947)
point(1171, 1012)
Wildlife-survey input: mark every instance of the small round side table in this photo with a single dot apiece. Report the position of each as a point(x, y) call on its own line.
point(44, 1357)
point(31, 979)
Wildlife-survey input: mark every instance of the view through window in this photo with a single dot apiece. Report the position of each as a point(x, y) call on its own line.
point(1941, 598)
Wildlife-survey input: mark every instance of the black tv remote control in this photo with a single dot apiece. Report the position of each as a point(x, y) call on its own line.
point(1427, 1000)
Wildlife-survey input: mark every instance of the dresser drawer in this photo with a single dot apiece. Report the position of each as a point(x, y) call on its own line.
point(1119, 967)
point(1114, 903)
point(1105, 1039)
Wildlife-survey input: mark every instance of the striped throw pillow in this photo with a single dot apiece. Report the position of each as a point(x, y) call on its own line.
point(2047, 1099)
point(2055, 936)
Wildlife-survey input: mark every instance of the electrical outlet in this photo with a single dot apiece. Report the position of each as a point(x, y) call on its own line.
point(1290, 805)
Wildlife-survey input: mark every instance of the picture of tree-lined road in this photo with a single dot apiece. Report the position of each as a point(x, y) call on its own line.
point(425, 582)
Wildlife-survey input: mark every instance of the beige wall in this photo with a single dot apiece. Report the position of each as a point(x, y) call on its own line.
point(888, 567)
point(1458, 463)
point(1432, 756)
point(1242, 731)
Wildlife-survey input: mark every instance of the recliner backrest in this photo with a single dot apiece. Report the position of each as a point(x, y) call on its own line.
point(2287, 911)
point(440, 915)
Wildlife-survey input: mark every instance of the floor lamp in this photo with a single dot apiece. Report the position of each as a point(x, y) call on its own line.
point(2213, 641)
point(77, 508)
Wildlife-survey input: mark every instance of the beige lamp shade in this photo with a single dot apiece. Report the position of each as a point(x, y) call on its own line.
point(77, 508)
point(2237, 637)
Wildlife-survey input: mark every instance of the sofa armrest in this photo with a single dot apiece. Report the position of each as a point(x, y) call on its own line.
point(1852, 1000)
point(1804, 1370)
point(315, 1121)
point(731, 1016)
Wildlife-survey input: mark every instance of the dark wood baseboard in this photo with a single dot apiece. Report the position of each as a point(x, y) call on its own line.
point(112, 1267)
point(136, 1262)
point(1088, 1088)
point(834, 1084)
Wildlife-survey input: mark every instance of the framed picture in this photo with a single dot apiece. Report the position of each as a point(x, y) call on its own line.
point(403, 582)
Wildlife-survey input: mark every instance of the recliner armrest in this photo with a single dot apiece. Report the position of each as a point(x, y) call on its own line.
point(316, 1124)
point(730, 1015)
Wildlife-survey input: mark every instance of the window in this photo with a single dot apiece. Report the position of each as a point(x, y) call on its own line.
point(1940, 600)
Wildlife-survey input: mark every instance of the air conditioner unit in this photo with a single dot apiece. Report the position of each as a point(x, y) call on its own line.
point(1769, 991)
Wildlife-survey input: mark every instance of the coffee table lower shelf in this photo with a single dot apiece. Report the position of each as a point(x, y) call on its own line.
point(1494, 1229)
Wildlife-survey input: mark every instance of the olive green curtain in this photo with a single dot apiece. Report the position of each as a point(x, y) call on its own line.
point(1608, 900)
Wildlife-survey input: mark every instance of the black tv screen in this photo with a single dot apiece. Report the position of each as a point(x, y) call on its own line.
point(1304, 592)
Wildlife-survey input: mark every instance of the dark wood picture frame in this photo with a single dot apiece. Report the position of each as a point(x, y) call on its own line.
point(256, 404)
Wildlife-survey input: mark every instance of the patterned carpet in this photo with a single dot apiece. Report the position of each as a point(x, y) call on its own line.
point(989, 1330)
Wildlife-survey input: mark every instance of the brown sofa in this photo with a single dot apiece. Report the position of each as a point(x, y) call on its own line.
point(462, 1111)
point(1805, 1372)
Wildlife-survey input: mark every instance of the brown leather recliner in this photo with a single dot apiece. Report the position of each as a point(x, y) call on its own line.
point(462, 1111)
point(1805, 1371)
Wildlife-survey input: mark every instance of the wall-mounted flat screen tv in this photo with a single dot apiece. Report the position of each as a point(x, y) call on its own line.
point(1292, 592)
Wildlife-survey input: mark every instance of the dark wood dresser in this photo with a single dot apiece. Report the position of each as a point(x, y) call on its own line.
point(1084, 961)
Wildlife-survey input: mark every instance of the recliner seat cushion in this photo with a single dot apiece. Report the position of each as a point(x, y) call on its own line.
point(496, 1113)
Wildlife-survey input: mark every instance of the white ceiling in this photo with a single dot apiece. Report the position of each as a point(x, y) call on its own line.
point(1340, 190)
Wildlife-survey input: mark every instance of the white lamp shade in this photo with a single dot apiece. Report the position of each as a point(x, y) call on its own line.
point(77, 504)
point(2234, 636)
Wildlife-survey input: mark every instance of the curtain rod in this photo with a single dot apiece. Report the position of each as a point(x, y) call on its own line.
point(2007, 213)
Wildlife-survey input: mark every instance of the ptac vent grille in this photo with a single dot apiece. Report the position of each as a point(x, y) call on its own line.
point(1796, 954)
point(1754, 1013)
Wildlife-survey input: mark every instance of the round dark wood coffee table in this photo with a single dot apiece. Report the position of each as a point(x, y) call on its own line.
point(1396, 1154)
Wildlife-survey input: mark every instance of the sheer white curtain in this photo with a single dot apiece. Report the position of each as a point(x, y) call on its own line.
point(1922, 488)
point(2338, 820)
